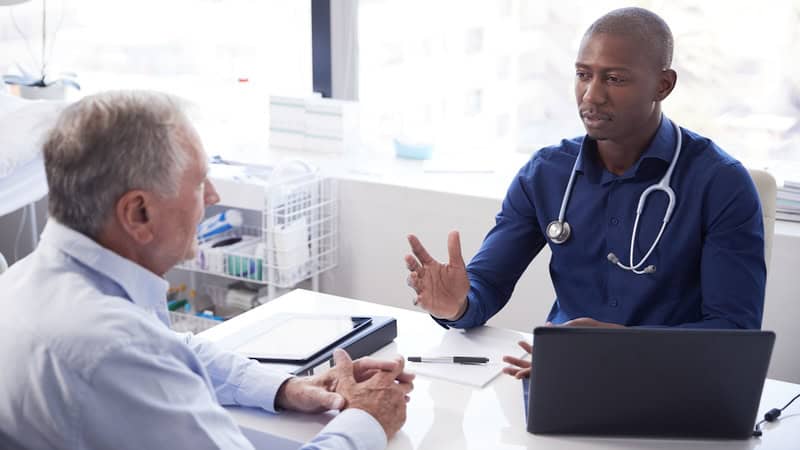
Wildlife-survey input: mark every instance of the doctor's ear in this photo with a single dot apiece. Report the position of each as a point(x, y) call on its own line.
point(132, 214)
point(666, 84)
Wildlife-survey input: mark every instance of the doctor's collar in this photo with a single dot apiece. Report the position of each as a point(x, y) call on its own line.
point(652, 163)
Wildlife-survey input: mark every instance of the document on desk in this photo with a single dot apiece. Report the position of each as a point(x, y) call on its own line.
point(493, 343)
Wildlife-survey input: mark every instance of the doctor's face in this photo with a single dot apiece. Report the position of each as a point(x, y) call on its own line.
point(616, 86)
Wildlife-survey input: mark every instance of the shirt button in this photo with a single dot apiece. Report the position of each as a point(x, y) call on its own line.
point(614, 221)
point(612, 303)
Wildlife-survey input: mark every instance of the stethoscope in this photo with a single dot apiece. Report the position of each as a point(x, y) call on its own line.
point(558, 231)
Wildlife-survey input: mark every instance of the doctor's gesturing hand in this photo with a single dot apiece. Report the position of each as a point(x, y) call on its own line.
point(520, 367)
point(441, 289)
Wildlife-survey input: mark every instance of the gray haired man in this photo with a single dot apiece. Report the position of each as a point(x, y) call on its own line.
point(89, 361)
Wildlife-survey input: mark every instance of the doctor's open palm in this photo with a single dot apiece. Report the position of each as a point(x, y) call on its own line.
point(441, 288)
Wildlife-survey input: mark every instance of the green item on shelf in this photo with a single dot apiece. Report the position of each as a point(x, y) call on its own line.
point(244, 263)
point(175, 304)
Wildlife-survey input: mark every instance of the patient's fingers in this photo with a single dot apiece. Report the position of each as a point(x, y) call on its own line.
point(406, 377)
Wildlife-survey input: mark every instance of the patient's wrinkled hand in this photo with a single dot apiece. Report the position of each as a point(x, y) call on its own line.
point(383, 394)
point(309, 394)
point(316, 393)
point(520, 368)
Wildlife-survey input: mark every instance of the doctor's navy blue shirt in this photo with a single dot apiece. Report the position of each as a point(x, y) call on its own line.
point(710, 268)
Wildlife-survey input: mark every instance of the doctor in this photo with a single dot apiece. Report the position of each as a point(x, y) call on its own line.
point(688, 252)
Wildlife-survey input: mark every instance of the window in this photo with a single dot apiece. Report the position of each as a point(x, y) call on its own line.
point(497, 75)
point(202, 50)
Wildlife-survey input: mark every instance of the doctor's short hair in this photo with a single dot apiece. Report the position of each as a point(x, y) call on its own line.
point(642, 25)
point(108, 144)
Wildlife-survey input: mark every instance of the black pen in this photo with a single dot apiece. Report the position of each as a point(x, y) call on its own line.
point(450, 359)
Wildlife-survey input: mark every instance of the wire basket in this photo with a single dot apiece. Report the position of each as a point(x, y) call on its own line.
point(296, 239)
point(183, 322)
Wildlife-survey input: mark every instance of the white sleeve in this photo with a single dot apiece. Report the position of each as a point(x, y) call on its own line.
point(238, 380)
point(352, 429)
point(139, 398)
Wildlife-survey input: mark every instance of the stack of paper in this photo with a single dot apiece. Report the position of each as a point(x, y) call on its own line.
point(787, 206)
point(313, 123)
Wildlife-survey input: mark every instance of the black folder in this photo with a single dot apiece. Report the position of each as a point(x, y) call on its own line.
point(380, 332)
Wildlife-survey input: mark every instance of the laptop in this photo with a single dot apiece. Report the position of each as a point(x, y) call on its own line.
point(647, 381)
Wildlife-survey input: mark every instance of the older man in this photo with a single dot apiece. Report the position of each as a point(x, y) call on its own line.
point(88, 359)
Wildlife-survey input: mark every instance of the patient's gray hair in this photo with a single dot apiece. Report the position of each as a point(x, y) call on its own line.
point(108, 144)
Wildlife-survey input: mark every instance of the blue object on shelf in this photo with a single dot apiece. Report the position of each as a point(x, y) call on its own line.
point(208, 315)
point(218, 224)
point(412, 151)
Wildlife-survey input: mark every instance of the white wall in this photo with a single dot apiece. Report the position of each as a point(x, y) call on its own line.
point(375, 219)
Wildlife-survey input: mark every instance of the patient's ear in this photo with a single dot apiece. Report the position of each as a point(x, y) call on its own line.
point(133, 216)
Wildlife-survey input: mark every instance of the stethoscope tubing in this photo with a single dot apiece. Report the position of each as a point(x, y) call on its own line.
point(559, 231)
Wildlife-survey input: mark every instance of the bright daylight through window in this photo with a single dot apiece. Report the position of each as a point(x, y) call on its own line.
point(225, 56)
point(497, 76)
point(472, 77)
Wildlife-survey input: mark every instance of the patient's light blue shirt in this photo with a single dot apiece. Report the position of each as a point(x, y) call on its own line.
point(89, 362)
point(710, 269)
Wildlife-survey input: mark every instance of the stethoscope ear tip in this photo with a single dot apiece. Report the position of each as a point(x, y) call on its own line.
point(613, 259)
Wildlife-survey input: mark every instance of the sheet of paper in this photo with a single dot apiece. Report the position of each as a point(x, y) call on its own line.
point(492, 343)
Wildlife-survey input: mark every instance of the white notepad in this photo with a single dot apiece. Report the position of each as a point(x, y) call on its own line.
point(492, 343)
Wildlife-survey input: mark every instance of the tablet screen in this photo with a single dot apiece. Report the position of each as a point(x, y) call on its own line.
point(300, 337)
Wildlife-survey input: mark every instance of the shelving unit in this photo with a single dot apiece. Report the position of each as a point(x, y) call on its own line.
point(290, 231)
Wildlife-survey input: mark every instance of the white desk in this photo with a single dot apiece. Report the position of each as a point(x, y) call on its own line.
point(453, 416)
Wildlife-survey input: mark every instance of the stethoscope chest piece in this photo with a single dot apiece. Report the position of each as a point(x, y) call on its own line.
point(558, 232)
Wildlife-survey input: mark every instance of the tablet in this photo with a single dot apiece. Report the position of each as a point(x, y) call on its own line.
point(299, 337)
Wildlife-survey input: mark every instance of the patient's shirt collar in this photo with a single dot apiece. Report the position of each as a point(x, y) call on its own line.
point(142, 287)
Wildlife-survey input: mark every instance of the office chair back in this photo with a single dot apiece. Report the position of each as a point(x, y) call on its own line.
point(767, 191)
